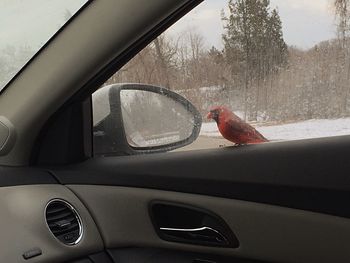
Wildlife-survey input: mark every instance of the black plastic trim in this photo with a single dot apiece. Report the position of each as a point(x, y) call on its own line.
point(154, 255)
point(102, 257)
point(67, 138)
point(24, 176)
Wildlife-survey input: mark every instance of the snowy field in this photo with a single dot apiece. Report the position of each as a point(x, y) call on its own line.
point(293, 131)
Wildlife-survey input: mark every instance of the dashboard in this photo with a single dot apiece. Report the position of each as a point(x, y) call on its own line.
point(34, 215)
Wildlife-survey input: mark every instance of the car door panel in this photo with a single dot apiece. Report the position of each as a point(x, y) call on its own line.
point(265, 232)
point(117, 193)
point(301, 174)
point(279, 211)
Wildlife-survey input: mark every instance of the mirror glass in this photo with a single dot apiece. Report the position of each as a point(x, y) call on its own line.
point(151, 119)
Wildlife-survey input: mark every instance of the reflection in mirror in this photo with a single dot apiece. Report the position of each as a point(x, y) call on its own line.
point(151, 119)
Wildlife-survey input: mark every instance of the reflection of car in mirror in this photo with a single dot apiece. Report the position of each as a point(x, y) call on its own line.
point(137, 118)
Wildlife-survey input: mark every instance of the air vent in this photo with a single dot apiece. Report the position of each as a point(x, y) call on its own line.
point(64, 221)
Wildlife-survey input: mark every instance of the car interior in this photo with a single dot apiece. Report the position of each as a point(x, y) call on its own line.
point(63, 202)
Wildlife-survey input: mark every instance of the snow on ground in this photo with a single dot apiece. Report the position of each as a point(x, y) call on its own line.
point(315, 128)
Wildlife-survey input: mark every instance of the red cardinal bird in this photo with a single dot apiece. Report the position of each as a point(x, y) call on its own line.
point(233, 128)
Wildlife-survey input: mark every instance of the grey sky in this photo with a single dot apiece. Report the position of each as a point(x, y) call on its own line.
point(33, 22)
point(305, 22)
point(29, 24)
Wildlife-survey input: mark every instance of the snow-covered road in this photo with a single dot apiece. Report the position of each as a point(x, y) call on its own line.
point(293, 131)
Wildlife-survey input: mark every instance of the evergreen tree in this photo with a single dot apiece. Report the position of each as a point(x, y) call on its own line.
point(343, 14)
point(253, 43)
point(253, 35)
point(342, 10)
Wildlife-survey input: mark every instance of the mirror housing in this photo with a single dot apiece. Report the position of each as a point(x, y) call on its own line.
point(111, 134)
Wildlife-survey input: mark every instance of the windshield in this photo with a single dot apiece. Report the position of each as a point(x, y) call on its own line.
point(25, 27)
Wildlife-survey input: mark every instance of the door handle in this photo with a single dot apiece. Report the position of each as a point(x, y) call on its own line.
point(200, 234)
point(192, 225)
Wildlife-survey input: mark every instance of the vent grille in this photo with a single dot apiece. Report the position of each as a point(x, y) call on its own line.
point(64, 222)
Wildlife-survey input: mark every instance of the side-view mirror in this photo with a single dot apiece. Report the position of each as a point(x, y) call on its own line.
point(138, 118)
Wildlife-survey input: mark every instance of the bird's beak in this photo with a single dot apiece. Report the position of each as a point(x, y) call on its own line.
point(209, 115)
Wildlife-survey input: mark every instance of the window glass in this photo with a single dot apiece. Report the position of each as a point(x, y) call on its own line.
point(25, 26)
point(282, 67)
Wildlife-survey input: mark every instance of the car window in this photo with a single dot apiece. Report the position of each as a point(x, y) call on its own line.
point(25, 27)
point(280, 69)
